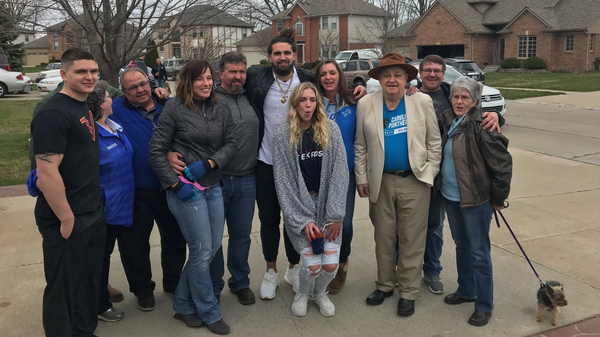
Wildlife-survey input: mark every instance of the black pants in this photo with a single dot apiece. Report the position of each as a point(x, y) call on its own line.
point(72, 268)
point(269, 215)
point(113, 233)
point(151, 205)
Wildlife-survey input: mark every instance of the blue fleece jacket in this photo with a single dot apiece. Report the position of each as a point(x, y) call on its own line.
point(345, 117)
point(139, 131)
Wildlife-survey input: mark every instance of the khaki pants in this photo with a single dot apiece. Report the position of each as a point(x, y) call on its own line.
point(400, 214)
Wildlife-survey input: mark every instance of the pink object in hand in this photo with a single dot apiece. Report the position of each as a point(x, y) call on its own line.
point(195, 183)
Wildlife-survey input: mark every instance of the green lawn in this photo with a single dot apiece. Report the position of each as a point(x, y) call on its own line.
point(518, 94)
point(15, 117)
point(33, 69)
point(589, 81)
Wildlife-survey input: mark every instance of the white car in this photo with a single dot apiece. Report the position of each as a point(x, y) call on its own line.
point(47, 74)
point(49, 84)
point(491, 99)
point(13, 81)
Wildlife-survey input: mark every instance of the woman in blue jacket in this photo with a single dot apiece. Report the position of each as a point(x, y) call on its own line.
point(341, 108)
point(117, 188)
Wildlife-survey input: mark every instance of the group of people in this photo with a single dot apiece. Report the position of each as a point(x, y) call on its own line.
point(110, 163)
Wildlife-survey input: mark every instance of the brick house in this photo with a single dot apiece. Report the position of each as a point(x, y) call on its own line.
point(325, 27)
point(562, 32)
point(203, 31)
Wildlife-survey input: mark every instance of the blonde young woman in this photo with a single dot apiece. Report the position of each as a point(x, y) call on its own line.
point(311, 179)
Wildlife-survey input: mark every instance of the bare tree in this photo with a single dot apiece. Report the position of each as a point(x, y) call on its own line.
point(416, 8)
point(117, 31)
point(495, 51)
point(258, 12)
point(28, 13)
point(329, 42)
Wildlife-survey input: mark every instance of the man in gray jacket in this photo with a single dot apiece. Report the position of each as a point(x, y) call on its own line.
point(239, 185)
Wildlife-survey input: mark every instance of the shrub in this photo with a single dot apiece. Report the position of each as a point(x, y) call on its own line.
point(311, 65)
point(534, 63)
point(265, 63)
point(511, 62)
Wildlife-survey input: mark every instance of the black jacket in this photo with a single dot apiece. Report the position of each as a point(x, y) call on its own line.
point(258, 82)
point(161, 70)
point(481, 160)
point(446, 89)
point(196, 135)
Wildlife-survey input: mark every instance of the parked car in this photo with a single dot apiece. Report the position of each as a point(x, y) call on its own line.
point(49, 84)
point(173, 66)
point(357, 71)
point(150, 74)
point(12, 81)
point(4, 60)
point(53, 65)
point(356, 54)
point(491, 98)
point(467, 67)
point(47, 74)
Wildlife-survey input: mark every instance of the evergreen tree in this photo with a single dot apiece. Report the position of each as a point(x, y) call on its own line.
point(151, 54)
point(8, 33)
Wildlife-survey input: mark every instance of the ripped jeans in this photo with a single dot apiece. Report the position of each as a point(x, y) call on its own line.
point(318, 268)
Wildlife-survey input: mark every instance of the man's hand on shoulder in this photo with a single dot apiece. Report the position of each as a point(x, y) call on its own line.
point(491, 121)
point(161, 93)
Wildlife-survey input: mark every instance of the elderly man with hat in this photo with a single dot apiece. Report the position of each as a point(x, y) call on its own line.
point(398, 153)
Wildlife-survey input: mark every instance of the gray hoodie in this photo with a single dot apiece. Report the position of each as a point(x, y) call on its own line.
point(247, 125)
point(295, 201)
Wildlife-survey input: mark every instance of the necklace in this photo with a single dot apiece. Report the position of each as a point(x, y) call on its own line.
point(284, 94)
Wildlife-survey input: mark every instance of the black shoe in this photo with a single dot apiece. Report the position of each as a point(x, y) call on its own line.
point(455, 299)
point(480, 318)
point(191, 320)
point(377, 297)
point(406, 307)
point(146, 302)
point(245, 296)
point(219, 328)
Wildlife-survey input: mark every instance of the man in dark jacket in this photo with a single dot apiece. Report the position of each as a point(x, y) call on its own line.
point(432, 70)
point(138, 112)
point(268, 90)
point(160, 74)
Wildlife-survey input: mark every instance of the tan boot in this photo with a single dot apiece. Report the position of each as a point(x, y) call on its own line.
point(336, 285)
point(115, 295)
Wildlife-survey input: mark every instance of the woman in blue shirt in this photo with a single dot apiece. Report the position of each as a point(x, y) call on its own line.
point(341, 108)
point(117, 188)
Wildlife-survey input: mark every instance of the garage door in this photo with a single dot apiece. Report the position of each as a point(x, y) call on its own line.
point(452, 50)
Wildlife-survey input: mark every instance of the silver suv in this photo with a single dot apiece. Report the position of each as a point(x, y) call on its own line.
point(173, 66)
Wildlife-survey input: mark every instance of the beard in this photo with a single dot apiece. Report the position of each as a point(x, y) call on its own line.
point(235, 87)
point(284, 71)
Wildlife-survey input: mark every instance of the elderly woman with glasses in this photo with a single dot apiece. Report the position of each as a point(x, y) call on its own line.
point(474, 180)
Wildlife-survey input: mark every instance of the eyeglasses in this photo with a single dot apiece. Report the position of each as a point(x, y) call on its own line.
point(135, 87)
point(435, 71)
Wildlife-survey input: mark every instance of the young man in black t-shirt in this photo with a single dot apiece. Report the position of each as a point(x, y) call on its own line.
point(69, 212)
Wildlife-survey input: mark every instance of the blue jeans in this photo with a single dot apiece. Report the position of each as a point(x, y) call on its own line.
point(347, 230)
point(239, 193)
point(201, 222)
point(470, 229)
point(435, 236)
point(159, 83)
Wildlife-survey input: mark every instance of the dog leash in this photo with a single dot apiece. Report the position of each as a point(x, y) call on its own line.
point(517, 241)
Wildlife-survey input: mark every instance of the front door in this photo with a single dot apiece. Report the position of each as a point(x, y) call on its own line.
point(300, 52)
point(501, 49)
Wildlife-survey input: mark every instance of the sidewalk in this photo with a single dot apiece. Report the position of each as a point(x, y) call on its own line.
point(553, 211)
point(590, 100)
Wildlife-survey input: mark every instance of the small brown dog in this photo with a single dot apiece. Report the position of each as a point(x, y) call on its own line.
point(551, 296)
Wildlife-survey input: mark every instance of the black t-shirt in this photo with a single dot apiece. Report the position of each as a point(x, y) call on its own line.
point(66, 126)
point(441, 103)
point(310, 157)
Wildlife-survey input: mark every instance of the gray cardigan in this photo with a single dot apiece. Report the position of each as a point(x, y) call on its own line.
point(296, 204)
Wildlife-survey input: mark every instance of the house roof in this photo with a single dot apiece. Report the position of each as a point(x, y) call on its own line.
point(557, 15)
point(22, 30)
point(332, 7)
point(42, 42)
point(256, 38)
point(206, 15)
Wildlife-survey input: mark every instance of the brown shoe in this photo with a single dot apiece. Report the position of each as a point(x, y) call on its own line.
point(115, 295)
point(336, 285)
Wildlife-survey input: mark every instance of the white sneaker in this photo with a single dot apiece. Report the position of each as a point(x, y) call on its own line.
point(300, 304)
point(292, 277)
point(268, 288)
point(325, 304)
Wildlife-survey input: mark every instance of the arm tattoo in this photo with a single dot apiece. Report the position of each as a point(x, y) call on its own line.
point(47, 157)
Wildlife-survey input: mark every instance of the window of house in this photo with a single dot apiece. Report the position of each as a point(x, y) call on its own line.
point(300, 27)
point(161, 48)
point(55, 45)
point(325, 23)
point(279, 25)
point(244, 32)
point(176, 35)
point(194, 35)
point(26, 38)
point(195, 53)
point(177, 51)
point(55, 36)
point(324, 52)
point(200, 31)
point(527, 46)
point(160, 34)
point(592, 42)
point(569, 42)
point(333, 22)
